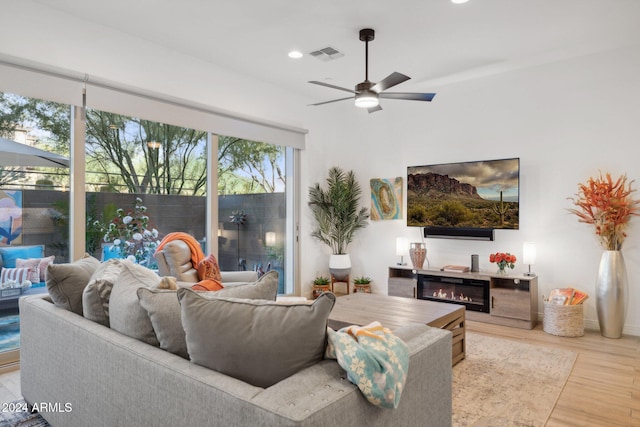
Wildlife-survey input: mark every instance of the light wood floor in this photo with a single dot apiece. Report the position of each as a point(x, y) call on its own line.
point(603, 388)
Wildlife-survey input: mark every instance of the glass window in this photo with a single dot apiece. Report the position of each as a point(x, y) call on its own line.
point(252, 208)
point(34, 203)
point(144, 180)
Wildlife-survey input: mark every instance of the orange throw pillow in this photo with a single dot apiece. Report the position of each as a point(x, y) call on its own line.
point(208, 269)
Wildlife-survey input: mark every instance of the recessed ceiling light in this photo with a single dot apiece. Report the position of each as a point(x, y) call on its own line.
point(295, 54)
point(459, 1)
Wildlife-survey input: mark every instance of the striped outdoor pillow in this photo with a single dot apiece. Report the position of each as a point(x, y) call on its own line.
point(17, 274)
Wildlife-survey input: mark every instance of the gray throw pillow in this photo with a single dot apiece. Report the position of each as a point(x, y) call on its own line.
point(256, 341)
point(66, 282)
point(95, 298)
point(163, 309)
point(126, 315)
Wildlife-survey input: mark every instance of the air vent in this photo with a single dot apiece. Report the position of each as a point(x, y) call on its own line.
point(326, 54)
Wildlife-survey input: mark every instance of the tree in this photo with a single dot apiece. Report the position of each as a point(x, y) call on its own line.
point(120, 148)
point(119, 154)
point(249, 166)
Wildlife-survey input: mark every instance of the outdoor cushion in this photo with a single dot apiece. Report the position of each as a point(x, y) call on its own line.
point(66, 282)
point(34, 265)
point(18, 275)
point(256, 341)
point(9, 254)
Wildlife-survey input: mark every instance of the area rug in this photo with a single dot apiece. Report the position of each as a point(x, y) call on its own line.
point(508, 383)
point(14, 415)
point(9, 332)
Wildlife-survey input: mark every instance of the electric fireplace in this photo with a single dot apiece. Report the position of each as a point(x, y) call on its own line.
point(472, 293)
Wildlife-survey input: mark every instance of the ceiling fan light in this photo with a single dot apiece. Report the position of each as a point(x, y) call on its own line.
point(367, 99)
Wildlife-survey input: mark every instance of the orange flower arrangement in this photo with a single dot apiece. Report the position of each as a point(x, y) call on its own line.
point(503, 260)
point(607, 205)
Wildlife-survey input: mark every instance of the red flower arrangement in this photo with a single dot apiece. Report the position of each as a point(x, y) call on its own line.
point(607, 205)
point(503, 260)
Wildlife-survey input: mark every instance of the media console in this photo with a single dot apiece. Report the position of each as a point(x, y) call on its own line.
point(504, 300)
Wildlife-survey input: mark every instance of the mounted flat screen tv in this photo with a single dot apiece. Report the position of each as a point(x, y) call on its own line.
point(465, 200)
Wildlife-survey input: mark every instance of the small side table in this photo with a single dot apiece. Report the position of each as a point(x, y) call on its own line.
point(334, 281)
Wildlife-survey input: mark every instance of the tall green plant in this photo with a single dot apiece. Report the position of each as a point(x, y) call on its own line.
point(335, 210)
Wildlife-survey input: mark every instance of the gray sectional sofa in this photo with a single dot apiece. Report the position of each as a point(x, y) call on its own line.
point(87, 374)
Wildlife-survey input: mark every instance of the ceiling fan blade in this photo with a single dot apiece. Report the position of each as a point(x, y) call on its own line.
point(329, 102)
point(374, 109)
point(390, 81)
point(332, 86)
point(408, 96)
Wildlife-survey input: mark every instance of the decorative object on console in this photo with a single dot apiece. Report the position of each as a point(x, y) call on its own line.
point(475, 263)
point(529, 256)
point(402, 248)
point(503, 260)
point(455, 268)
point(337, 217)
point(417, 253)
point(608, 206)
point(386, 198)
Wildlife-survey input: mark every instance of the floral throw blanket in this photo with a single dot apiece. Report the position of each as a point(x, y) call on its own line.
point(375, 360)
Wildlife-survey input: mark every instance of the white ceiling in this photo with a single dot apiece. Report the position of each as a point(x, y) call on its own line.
point(433, 41)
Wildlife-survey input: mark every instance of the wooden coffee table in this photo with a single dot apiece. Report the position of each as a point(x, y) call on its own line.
point(392, 312)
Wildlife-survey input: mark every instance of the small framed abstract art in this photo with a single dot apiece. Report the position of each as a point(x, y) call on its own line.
point(386, 198)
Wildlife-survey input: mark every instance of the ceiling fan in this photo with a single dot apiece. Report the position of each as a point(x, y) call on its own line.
point(367, 94)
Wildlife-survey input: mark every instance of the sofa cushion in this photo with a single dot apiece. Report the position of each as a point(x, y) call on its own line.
point(163, 309)
point(66, 282)
point(126, 315)
point(9, 254)
point(95, 298)
point(256, 341)
point(18, 275)
point(32, 264)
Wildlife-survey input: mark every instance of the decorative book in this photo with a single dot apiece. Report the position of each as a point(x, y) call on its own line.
point(456, 268)
point(567, 296)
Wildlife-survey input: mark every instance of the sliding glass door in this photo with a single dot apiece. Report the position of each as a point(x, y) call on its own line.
point(34, 201)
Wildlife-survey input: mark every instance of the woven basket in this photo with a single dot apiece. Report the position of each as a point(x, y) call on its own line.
point(563, 320)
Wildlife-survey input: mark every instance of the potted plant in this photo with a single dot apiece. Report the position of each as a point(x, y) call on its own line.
point(338, 216)
point(362, 284)
point(320, 285)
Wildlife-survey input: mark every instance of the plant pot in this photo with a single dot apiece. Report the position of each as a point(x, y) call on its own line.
point(340, 266)
point(612, 294)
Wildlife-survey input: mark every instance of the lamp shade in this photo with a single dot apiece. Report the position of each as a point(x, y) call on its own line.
point(529, 253)
point(402, 246)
